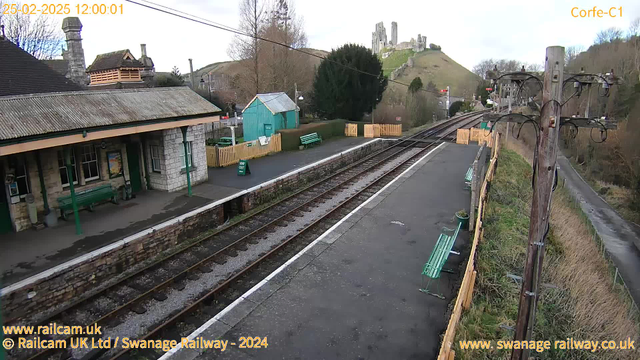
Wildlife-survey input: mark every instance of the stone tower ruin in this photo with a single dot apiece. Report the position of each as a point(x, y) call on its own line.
point(379, 38)
point(394, 33)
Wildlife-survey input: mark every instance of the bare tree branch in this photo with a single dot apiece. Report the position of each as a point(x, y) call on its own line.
point(39, 35)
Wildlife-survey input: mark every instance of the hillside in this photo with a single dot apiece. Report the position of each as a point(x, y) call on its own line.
point(434, 66)
point(233, 68)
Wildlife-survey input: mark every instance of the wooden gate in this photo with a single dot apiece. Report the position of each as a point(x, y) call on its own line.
point(351, 130)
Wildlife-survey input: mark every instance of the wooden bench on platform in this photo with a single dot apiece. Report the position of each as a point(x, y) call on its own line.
point(87, 198)
point(310, 139)
point(434, 266)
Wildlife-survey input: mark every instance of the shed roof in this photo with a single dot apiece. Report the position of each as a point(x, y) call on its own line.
point(31, 115)
point(21, 73)
point(114, 60)
point(276, 102)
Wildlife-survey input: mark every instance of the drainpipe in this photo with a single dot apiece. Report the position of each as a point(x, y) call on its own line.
point(147, 176)
point(67, 156)
point(186, 158)
point(42, 185)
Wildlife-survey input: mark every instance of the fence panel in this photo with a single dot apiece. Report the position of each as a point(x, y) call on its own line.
point(462, 136)
point(351, 130)
point(390, 129)
point(368, 131)
point(233, 154)
point(466, 288)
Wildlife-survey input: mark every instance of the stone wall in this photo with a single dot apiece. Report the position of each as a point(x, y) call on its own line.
point(174, 160)
point(76, 281)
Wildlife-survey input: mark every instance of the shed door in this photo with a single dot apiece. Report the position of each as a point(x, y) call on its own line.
point(5, 216)
point(268, 130)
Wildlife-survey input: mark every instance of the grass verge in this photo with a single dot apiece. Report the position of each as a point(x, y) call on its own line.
point(576, 300)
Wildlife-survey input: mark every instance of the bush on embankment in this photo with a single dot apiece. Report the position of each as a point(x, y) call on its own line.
point(326, 129)
point(576, 301)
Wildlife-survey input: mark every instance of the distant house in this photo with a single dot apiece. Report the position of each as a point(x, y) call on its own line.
point(120, 69)
point(267, 113)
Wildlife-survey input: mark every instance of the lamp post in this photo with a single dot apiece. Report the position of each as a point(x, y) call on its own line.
point(208, 83)
point(298, 96)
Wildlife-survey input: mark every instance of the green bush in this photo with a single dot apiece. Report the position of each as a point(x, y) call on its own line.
point(326, 129)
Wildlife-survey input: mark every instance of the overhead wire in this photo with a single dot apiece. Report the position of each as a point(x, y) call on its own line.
point(186, 16)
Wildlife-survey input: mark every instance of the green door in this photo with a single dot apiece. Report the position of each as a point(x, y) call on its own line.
point(5, 216)
point(268, 130)
point(133, 158)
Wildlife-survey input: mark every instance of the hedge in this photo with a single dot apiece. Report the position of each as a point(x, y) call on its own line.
point(326, 129)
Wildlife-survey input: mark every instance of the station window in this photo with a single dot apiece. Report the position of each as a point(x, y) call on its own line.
point(64, 178)
point(90, 163)
point(156, 158)
point(189, 154)
point(20, 184)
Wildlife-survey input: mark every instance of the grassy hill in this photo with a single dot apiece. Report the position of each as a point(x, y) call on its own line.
point(430, 65)
point(233, 67)
point(395, 60)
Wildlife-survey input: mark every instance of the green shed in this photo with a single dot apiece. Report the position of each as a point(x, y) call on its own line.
point(267, 113)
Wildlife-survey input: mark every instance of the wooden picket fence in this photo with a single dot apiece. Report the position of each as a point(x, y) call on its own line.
point(377, 130)
point(465, 294)
point(351, 130)
point(229, 155)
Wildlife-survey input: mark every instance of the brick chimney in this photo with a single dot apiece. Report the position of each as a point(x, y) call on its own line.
point(74, 54)
point(149, 69)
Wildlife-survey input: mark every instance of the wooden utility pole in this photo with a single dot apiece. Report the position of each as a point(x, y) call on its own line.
point(541, 202)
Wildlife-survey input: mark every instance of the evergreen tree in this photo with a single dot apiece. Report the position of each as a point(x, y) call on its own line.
point(342, 92)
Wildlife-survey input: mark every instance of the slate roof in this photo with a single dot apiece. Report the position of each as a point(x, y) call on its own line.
point(39, 114)
point(59, 65)
point(276, 102)
point(21, 73)
point(113, 60)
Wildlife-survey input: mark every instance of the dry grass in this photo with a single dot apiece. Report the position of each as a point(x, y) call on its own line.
point(581, 303)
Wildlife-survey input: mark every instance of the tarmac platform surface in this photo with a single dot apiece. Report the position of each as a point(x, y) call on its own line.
point(30, 252)
point(353, 293)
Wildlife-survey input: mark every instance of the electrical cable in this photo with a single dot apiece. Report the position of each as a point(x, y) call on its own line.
point(202, 21)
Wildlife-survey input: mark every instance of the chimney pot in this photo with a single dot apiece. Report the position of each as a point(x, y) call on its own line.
point(143, 49)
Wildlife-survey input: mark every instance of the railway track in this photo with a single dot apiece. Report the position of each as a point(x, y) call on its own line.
point(193, 272)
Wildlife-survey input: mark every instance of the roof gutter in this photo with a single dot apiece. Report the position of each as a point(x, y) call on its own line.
point(86, 131)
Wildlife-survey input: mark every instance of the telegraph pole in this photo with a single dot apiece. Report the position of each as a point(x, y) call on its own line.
point(541, 202)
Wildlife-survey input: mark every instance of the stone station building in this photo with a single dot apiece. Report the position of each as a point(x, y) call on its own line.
point(112, 137)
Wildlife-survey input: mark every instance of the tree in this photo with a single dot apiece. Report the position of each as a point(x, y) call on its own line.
point(173, 79)
point(503, 65)
point(282, 66)
point(246, 49)
point(571, 53)
point(416, 85)
point(344, 86)
point(431, 86)
point(482, 92)
point(433, 46)
point(39, 35)
point(611, 34)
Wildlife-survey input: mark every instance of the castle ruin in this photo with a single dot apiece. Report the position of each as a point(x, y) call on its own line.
point(379, 40)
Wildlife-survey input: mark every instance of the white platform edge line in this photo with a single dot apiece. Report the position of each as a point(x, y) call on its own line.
point(120, 243)
point(256, 287)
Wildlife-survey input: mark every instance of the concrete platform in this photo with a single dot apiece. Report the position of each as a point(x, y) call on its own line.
point(353, 293)
point(30, 252)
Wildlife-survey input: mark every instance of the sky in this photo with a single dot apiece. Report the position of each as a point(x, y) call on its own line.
point(468, 31)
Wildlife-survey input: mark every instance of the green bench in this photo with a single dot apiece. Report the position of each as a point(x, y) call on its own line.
point(468, 177)
point(310, 139)
point(224, 141)
point(87, 198)
point(439, 255)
